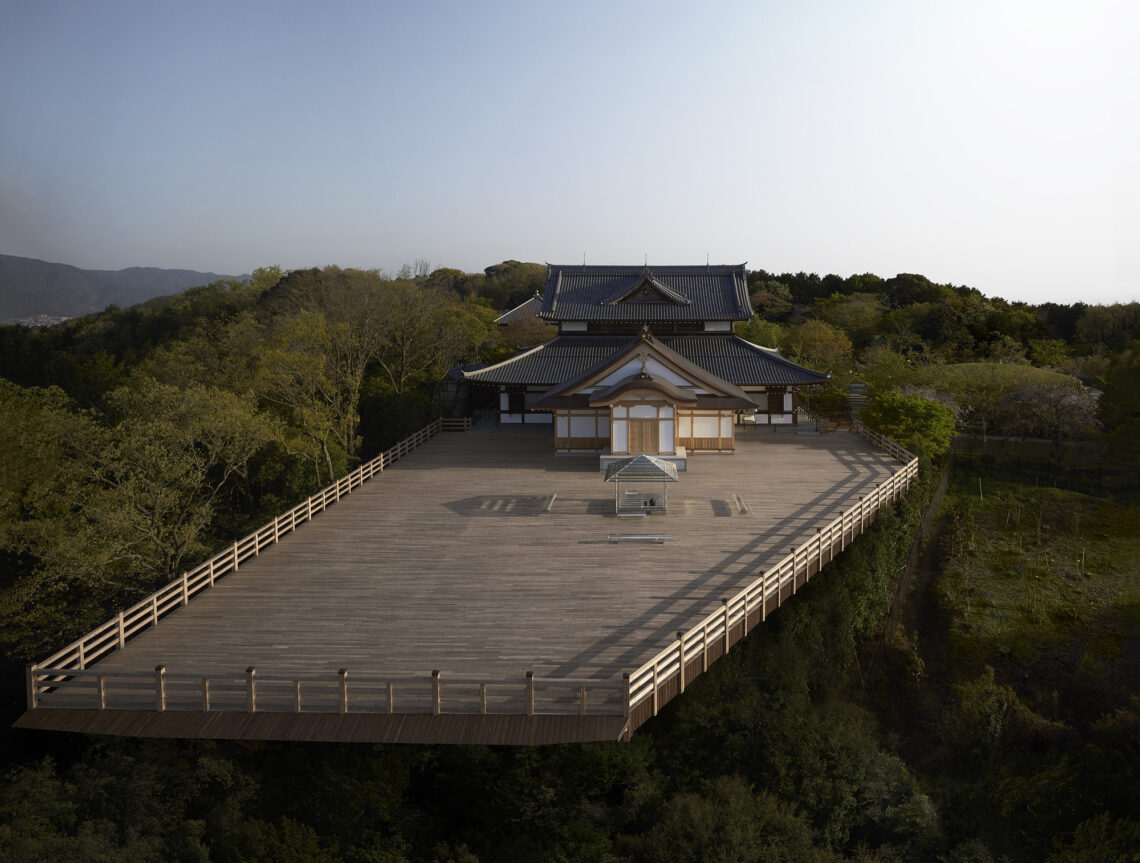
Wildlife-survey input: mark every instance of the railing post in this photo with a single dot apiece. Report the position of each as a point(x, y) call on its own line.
point(211, 570)
point(343, 675)
point(435, 692)
point(681, 649)
point(122, 632)
point(185, 589)
point(154, 611)
point(205, 695)
point(296, 696)
point(625, 694)
point(82, 655)
point(101, 685)
point(34, 687)
point(724, 602)
point(860, 515)
point(391, 698)
point(582, 700)
point(705, 648)
point(654, 688)
point(483, 698)
point(530, 693)
point(842, 530)
point(793, 570)
point(819, 549)
point(763, 596)
point(160, 688)
point(251, 690)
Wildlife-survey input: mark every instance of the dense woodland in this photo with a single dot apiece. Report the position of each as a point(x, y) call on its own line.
point(978, 705)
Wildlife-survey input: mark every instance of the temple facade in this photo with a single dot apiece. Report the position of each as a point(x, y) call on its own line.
point(646, 362)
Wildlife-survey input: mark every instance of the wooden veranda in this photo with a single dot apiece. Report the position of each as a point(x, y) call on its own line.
point(463, 590)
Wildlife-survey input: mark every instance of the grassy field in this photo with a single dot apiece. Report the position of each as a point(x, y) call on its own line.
point(1041, 578)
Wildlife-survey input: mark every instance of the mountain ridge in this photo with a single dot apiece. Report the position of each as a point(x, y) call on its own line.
point(30, 287)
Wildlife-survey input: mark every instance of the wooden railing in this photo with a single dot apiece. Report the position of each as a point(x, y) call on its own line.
point(341, 692)
point(664, 676)
point(637, 696)
point(114, 634)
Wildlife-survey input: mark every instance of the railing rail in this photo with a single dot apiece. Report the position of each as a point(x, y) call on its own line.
point(114, 633)
point(665, 675)
point(340, 692)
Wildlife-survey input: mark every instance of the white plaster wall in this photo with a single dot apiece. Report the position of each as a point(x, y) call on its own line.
point(620, 442)
point(665, 436)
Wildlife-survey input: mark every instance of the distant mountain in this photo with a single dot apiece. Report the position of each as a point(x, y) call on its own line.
point(29, 287)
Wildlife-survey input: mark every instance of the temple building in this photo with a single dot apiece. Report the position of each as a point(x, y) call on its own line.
point(646, 362)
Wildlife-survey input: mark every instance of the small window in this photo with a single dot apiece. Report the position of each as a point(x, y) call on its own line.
point(516, 402)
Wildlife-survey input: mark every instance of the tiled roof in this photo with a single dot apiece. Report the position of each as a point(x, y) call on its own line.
point(593, 293)
point(521, 311)
point(569, 356)
point(742, 362)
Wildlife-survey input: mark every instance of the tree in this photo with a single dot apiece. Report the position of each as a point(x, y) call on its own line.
point(922, 426)
point(858, 315)
point(818, 344)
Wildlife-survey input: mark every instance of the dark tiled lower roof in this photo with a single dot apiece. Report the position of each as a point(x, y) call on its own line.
point(742, 362)
point(522, 311)
point(728, 357)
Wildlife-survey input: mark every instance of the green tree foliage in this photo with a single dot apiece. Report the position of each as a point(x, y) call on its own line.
point(857, 315)
point(819, 345)
point(920, 425)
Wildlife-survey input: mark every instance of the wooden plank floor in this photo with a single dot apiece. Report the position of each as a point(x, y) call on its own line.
point(447, 561)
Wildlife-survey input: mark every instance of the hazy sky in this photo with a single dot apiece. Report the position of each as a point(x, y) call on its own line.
point(994, 144)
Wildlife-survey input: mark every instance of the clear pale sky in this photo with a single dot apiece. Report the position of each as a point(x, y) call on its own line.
point(979, 142)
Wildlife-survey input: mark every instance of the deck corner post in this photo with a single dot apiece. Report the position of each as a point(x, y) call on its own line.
point(681, 650)
point(122, 631)
point(655, 701)
point(842, 530)
point(342, 674)
point(435, 692)
point(625, 694)
point(34, 686)
point(160, 688)
point(530, 693)
point(251, 690)
point(860, 515)
point(763, 596)
point(727, 643)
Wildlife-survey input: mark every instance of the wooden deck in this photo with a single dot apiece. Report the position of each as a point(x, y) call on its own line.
point(455, 560)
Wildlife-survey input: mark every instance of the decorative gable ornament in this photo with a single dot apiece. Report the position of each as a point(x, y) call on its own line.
point(647, 290)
